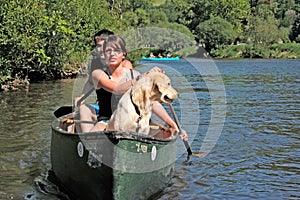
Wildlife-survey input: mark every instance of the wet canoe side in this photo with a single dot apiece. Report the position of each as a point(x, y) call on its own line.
point(111, 165)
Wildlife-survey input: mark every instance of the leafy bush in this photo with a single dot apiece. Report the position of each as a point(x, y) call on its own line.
point(215, 32)
point(286, 50)
point(242, 51)
point(256, 51)
point(46, 38)
point(229, 51)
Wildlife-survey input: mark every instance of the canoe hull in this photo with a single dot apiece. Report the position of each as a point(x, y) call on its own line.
point(111, 165)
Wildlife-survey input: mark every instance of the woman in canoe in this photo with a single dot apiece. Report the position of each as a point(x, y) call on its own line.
point(110, 83)
point(98, 61)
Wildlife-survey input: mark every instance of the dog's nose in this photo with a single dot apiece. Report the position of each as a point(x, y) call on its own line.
point(176, 95)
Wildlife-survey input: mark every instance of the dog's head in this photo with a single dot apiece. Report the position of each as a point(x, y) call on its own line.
point(161, 88)
point(155, 86)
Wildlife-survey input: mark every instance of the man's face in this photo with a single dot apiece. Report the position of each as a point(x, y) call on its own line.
point(100, 46)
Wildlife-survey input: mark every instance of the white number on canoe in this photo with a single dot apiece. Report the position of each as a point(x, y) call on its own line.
point(141, 148)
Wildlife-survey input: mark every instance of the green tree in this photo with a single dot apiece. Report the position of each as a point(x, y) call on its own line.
point(158, 38)
point(174, 9)
point(176, 27)
point(46, 38)
point(233, 11)
point(215, 32)
point(157, 16)
point(143, 17)
point(295, 32)
point(196, 12)
point(22, 43)
point(130, 19)
point(263, 27)
point(133, 5)
point(285, 12)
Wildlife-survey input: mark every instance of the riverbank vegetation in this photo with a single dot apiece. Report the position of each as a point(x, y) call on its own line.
point(44, 40)
point(288, 50)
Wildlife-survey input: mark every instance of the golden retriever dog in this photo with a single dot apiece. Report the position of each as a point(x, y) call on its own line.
point(134, 109)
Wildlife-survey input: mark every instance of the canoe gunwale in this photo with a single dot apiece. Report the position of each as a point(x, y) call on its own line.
point(114, 135)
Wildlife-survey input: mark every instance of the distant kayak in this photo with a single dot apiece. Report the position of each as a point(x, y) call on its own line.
point(160, 59)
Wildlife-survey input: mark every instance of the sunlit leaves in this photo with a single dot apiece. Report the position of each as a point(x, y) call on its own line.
point(214, 32)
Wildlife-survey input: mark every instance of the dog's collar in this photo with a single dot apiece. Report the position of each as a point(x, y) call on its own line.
point(137, 110)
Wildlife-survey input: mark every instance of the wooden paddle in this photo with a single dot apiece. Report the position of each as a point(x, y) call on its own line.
point(186, 144)
point(69, 109)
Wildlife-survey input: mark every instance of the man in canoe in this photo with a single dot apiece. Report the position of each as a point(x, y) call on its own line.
point(98, 61)
point(99, 39)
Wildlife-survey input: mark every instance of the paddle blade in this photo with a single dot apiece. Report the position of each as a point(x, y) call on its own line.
point(64, 110)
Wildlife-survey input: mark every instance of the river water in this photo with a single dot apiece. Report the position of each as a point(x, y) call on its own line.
point(243, 115)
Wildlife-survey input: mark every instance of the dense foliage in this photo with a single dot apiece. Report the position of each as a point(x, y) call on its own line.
point(49, 39)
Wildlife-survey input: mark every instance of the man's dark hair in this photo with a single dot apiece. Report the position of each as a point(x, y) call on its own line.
point(102, 34)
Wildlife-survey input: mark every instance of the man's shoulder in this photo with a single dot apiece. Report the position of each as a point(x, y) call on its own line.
point(127, 64)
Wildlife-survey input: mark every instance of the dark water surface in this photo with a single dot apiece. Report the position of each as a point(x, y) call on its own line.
point(257, 155)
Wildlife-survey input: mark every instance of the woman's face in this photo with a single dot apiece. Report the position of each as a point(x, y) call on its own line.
point(113, 55)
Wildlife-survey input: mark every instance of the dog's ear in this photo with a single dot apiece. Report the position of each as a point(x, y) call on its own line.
point(141, 93)
point(161, 82)
point(162, 87)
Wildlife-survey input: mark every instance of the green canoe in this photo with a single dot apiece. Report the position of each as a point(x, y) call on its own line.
point(110, 164)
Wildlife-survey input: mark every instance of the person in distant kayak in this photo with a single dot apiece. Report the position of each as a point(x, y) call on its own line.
point(169, 55)
point(152, 55)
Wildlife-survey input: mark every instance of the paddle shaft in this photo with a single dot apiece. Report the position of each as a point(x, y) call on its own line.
point(69, 109)
point(84, 96)
point(186, 144)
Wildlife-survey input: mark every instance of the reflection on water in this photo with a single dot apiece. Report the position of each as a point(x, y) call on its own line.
point(256, 156)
